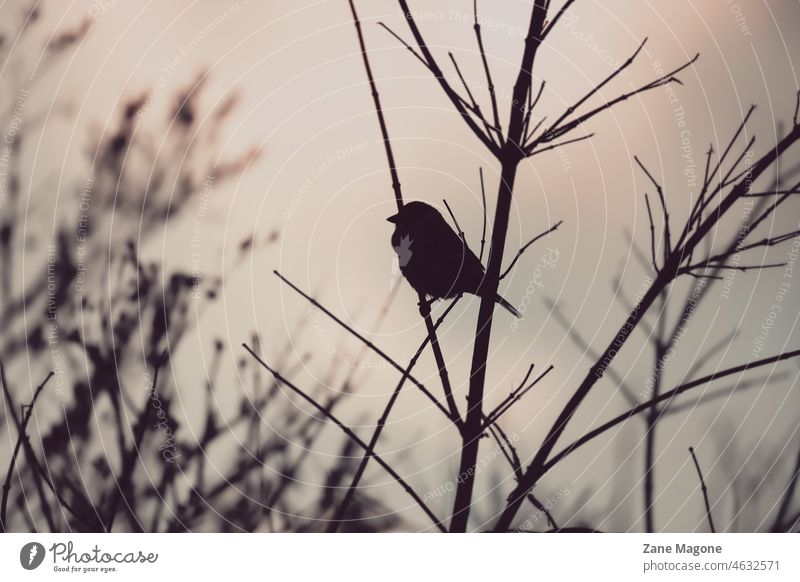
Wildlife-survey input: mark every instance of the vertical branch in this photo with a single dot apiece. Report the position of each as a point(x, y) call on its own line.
point(487, 71)
point(704, 489)
point(124, 486)
point(336, 523)
point(510, 157)
point(483, 201)
point(398, 194)
point(781, 523)
point(424, 307)
point(670, 270)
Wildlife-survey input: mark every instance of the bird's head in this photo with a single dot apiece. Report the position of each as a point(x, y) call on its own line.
point(414, 214)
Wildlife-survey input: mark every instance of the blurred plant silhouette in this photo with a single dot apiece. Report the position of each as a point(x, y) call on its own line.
point(101, 442)
point(105, 321)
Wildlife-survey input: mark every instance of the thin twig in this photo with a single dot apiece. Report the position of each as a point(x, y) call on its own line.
point(528, 244)
point(30, 455)
point(557, 17)
point(431, 64)
point(704, 489)
point(555, 146)
point(666, 396)
point(23, 427)
point(124, 484)
point(660, 191)
point(366, 341)
point(487, 71)
point(455, 222)
point(557, 130)
point(425, 311)
point(378, 110)
point(510, 158)
point(780, 518)
point(353, 436)
point(527, 132)
point(483, 201)
point(335, 524)
point(513, 398)
point(652, 234)
point(474, 104)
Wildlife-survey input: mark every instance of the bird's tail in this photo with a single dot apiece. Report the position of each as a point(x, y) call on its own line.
point(508, 306)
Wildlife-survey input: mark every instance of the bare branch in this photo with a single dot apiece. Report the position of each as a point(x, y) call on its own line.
point(660, 191)
point(796, 118)
point(124, 483)
point(528, 244)
point(367, 342)
point(21, 437)
point(704, 489)
point(527, 120)
point(378, 109)
point(455, 222)
point(405, 44)
point(742, 268)
point(573, 108)
point(534, 152)
point(557, 17)
point(780, 524)
point(335, 524)
point(579, 341)
point(514, 397)
point(474, 104)
point(671, 409)
point(666, 397)
point(777, 192)
point(557, 130)
point(487, 71)
point(353, 436)
point(483, 201)
point(727, 180)
point(425, 311)
point(431, 64)
point(652, 234)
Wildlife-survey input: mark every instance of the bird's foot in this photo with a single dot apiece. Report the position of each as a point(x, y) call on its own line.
point(425, 304)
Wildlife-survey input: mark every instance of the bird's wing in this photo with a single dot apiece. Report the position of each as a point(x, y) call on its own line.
point(453, 259)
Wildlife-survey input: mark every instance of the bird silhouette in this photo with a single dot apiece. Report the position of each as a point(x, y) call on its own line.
point(434, 259)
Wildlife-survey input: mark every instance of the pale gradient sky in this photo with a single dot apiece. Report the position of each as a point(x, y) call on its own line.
point(323, 182)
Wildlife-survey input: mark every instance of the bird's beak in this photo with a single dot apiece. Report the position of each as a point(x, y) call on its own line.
point(393, 218)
